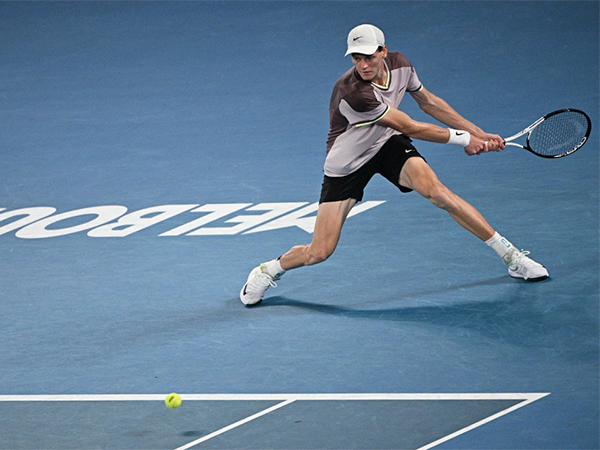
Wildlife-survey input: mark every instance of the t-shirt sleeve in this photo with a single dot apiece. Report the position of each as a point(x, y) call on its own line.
point(362, 107)
point(414, 84)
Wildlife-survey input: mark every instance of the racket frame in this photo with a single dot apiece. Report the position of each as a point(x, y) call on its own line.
point(531, 127)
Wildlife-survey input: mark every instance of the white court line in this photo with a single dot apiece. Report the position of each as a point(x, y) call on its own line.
point(235, 425)
point(271, 397)
point(286, 399)
point(533, 398)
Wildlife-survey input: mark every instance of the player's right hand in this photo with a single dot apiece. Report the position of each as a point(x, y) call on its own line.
point(477, 146)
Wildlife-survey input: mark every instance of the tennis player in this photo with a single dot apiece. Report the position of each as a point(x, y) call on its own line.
point(369, 135)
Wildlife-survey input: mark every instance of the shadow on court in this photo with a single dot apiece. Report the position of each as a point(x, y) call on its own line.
point(512, 316)
point(396, 313)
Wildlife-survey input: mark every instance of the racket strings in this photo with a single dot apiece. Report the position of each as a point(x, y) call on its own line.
point(559, 134)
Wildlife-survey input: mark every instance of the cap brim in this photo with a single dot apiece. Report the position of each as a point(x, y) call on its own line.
point(363, 50)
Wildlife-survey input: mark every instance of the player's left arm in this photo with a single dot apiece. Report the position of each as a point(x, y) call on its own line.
point(440, 110)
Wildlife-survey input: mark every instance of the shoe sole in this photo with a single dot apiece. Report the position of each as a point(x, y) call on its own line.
point(542, 278)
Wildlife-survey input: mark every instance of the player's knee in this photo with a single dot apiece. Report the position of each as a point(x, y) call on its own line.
point(317, 255)
point(441, 197)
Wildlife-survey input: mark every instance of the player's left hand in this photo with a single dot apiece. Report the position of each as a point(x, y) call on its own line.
point(496, 138)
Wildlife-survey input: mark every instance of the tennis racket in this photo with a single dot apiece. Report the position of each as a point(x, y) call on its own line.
point(555, 135)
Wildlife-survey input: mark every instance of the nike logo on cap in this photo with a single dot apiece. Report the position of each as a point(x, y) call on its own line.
point(356, 38)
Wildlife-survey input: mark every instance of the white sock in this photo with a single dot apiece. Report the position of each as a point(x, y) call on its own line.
point(500, 245)
point(273, 268)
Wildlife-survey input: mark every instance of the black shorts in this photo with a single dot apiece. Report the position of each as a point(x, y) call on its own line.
point(388, 162)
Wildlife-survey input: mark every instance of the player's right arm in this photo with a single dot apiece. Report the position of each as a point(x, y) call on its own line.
point(424, 131)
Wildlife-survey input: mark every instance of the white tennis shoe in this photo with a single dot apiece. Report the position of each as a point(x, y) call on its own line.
point(520, 266)
point(258, 282)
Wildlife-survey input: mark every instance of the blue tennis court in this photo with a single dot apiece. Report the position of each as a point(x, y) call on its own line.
point(153, 153)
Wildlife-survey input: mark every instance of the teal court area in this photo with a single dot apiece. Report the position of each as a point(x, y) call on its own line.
point(342, 421)
point(153, 153)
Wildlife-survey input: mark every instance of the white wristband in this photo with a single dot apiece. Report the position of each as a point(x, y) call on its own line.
point(459, 137)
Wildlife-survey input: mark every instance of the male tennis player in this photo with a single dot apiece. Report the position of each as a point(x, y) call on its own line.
point(369, 135)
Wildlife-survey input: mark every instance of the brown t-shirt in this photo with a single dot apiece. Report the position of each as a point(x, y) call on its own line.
point(356, 106)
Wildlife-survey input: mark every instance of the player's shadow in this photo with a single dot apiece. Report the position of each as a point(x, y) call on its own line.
point(506, 311)
point(398, 312)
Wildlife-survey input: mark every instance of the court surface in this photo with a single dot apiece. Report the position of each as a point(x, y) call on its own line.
point(153, 153)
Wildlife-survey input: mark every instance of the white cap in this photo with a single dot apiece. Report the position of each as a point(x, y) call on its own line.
point(365, 39)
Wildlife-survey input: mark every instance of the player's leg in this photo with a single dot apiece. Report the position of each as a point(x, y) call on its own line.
point(338, 195)
point(328, 228)
point(416, 174)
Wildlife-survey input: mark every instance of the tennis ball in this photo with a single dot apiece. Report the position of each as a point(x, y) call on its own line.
point(173, 400)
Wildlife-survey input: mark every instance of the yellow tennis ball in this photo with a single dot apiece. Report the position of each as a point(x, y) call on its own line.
point(173, 400)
